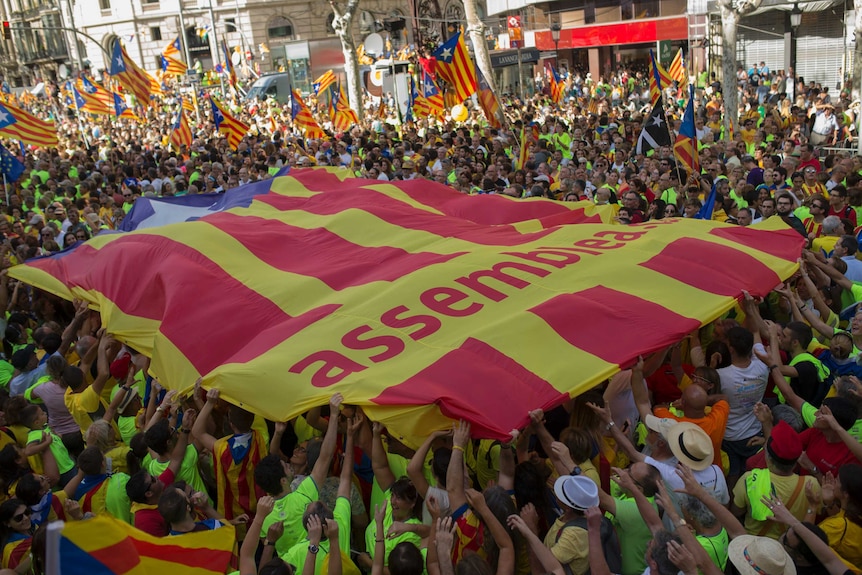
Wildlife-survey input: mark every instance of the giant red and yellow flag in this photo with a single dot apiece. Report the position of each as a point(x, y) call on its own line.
point(24, 126)
point(104, 545)
point(410, 299)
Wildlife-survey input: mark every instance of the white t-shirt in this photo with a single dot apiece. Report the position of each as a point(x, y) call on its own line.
point(744, 388)
point(712, 479)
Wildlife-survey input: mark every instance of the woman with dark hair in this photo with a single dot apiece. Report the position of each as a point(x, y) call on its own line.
point(656, 210)
point(16, 531)
point(844, 529)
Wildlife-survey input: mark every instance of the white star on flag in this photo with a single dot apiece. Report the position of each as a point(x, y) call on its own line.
point(656, 121)
point(4, 117)
point(446, 54)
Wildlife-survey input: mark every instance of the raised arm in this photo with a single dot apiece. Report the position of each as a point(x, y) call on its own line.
point(70, 334)
point(379, 462)
point(777, 371)
point(199, 430)
point(542, 554)
point(455, 472)
point(821, 549)
point(616, 433)
point(598, 564)
point(832, 273)
point(506, 560)
point(647, 511)
point(506, 475)
point(851, 442)
point(354, 424)
point(247, 564)
point(179, 452)
point(104, 364)
point(416, 467)
point(639, 390)
point(701, 558)
point(537, 418)
point(693, 488)
point(275, 440)
point(327, 449)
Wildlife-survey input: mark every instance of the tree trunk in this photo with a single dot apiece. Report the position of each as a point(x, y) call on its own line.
point(730, 92)
point(857, 55)
point(341, 24)
point(476, 28)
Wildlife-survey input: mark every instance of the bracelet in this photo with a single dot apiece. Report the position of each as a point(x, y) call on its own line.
point(608, 426)
point(269, 543)
point(184, 430)
point(802, 307)
point(458, 447)
point(380, 540)
point(773, 366)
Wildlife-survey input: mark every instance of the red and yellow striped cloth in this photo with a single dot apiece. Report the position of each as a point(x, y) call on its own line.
point(107, 546)
point(416, 302)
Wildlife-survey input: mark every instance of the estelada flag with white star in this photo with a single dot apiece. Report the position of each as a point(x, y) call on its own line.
point(655, 133)
point(230, 127)
point(420, 304)
point(131, 76)
point(22, 125)
point(456, 67)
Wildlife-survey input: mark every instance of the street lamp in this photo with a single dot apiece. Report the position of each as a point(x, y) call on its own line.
point(795, 16)
point(795, 21)
point(555, 34)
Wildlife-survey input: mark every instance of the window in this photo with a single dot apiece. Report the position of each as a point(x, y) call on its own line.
point(155, 33)
point(230, 25)
point(158, 62)
point(280, 27)
point(105, 4)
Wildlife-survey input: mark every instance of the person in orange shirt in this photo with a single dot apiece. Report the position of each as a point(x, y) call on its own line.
point(694, 405)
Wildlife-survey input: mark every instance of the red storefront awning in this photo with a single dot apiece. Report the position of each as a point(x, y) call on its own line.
point(632, 32)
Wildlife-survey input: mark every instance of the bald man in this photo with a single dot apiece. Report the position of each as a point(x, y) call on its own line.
point(709, 412)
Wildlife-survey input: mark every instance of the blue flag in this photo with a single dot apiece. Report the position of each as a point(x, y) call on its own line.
point(11, 167)
point(705, 212)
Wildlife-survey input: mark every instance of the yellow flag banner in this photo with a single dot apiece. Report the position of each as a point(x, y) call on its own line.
point(420, 304)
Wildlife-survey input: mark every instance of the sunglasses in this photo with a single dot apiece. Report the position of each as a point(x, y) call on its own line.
point(20, 516)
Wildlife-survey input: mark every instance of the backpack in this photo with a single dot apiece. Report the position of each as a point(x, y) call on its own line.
point(610, 543)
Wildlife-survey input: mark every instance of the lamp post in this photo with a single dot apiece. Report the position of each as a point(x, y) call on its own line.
point(555, 34)
point(795, 21)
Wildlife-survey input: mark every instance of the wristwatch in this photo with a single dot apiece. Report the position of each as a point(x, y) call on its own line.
point(576, 470)
point(313, 549)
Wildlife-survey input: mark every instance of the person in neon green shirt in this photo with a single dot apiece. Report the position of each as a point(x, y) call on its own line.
point(340, 515)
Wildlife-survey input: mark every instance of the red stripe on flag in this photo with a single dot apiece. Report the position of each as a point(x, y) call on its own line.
point(121, 559)
point(474, 370)
point(717, 269)
point(767, 241)
point(401, 215)
point(337, 262)
point(199, 332)
point(629, 324)
point(484, 209)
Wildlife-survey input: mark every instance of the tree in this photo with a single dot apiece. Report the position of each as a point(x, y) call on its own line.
point(341, 24)
point(732, 12)
point(857, 56)
point(476, 29)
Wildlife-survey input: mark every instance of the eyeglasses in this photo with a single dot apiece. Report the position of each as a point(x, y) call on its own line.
point(20, 516)
point(670, 211)
point(127, 195)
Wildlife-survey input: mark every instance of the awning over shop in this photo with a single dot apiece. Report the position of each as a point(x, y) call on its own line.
point(631, 32)
point(503, 58)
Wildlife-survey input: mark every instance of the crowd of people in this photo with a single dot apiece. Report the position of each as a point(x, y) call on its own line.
point(735, 450)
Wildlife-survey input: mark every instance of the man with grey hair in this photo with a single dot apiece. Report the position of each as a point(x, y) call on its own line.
point(832, 230)
point(708, 531)
point(846, 248)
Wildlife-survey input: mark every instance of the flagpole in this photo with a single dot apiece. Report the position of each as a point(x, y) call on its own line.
point(6, 188)
point(78, 116)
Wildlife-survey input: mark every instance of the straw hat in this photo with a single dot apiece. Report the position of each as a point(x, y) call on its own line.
point(760, 556)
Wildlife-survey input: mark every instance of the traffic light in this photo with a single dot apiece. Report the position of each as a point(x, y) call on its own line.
point(7, 30)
